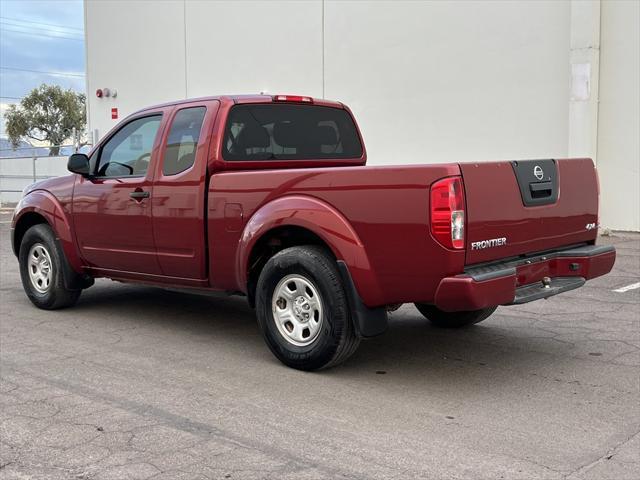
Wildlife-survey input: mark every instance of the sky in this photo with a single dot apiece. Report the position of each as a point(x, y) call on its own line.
point(41, 41)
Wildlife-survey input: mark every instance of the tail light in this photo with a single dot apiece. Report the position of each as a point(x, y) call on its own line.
point(447, 212)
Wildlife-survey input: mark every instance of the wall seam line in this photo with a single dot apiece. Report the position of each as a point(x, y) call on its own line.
point(322, 41)
point(184, 20)
point(89, 131)
point(597, 93)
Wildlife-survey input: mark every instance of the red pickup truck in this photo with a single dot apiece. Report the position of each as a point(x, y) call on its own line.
point(269, 197)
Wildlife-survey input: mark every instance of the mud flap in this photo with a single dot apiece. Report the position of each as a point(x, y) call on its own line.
point(369, 322)
point(72, 280)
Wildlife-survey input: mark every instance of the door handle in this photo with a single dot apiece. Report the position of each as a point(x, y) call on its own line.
point(541, 189)
point(139, 194)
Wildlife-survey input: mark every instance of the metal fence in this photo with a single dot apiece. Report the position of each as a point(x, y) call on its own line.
point(16, 173)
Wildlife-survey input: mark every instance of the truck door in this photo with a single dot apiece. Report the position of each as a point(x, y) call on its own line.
point(112, 209)
point(179, 194)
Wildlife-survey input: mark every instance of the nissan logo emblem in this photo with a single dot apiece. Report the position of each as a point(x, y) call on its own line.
point(537, 171)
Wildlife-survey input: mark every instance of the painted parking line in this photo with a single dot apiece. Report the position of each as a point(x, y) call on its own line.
point(633, 286)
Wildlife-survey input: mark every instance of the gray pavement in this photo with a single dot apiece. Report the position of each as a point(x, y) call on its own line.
point(137, 383)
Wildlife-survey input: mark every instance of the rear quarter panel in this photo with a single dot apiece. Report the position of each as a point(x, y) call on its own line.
point(387, 207)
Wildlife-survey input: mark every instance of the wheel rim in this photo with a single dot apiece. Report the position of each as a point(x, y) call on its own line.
point(40, 268)
point(297, 310)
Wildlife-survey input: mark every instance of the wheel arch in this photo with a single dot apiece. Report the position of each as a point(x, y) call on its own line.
point(40, 207)
point(24, 223)
point(301, 220)
point(273, 241)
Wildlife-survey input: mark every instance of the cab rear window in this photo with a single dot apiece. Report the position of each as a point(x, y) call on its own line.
point(289, 132)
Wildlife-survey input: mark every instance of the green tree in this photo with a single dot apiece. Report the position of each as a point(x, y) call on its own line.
point(47, 114)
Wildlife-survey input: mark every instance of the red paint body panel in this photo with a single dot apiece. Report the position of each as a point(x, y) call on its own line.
point(314, 215)
point(51, 199)
point(386, 207)
point(198, 227)
point(588, 268)
point(495, 210)
point(114, 231)
point(465, 294)
point(462, 293)
point(177, 206)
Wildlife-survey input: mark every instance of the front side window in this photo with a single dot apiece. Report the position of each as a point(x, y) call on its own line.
point(93, 160)
point(182, 141)
point(289, 132)
point(128, 152)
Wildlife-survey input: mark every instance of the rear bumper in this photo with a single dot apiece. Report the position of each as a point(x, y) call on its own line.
point(520, 280)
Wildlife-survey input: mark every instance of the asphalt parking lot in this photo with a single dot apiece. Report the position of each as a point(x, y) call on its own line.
point(136, 382)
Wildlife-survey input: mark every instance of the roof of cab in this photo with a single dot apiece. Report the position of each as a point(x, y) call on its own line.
point(242, 98)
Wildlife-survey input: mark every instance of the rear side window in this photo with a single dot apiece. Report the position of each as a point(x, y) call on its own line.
point(182, 141)
point(289, 132)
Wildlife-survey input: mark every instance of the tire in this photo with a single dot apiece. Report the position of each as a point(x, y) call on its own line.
point(443, 319)
point(301, 281)
point(41, 254)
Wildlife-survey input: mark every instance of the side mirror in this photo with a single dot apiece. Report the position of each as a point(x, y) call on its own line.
point(79, 163)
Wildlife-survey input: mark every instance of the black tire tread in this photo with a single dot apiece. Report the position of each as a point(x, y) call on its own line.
point(443, 319)
point(347, 340)
point(59, 296)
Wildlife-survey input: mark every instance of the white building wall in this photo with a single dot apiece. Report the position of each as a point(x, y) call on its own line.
point(254, 46)
point(619, 115)
point(428, 81)
point(136, 47)
point(452, 81)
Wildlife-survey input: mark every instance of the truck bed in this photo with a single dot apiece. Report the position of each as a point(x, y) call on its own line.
point(388, 208)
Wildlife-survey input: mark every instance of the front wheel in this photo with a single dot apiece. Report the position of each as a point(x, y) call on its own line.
point(303, 311)
point(444, 319)
point(42, 269)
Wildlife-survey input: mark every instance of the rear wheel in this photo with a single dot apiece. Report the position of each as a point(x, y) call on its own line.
point(42, 269)
point(444, 319)
point(303, 311)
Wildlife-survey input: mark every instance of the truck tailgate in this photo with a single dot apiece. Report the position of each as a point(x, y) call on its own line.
point(514, 208)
